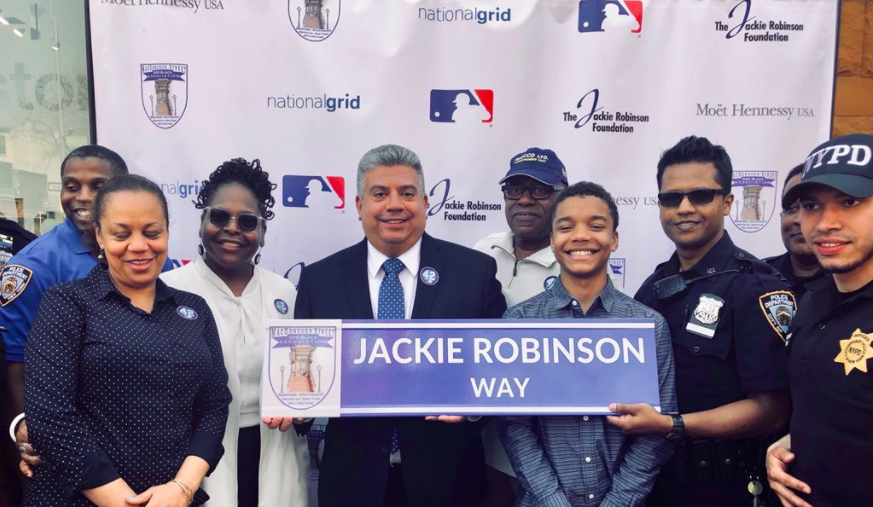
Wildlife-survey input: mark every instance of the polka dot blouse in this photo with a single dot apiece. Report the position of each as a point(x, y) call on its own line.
point(112, 391)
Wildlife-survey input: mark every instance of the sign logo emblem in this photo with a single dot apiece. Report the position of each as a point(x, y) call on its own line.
point(13, 281)
point(314, 20)
point(164, 92)
point(318, 192)
point(302, 364)
point(617, 268)
point(755, 199)
point(186, 312)
point(462, 106)
point(619, 16)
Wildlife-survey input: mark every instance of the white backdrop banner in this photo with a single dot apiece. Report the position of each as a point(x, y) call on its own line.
point(308, 86)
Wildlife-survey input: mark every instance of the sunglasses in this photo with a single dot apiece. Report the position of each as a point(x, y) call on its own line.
point(539, 192)
point(246, 222)
point(696, 196)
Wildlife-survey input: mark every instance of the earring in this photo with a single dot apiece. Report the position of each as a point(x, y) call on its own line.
point(101, 255)
point(257, 258)
point(200, 250)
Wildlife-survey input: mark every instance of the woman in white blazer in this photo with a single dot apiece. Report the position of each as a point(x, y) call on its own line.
point(261, 467)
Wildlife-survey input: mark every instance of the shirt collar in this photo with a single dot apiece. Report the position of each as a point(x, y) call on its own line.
point(71, 237)
point(219, 284)
point(544, 257)
point(713, 262)
point(606, 298)
point(103, 286)
point(411, 259)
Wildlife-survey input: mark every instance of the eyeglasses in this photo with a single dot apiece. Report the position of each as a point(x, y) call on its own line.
point(696, 196)
point(247, 222)
point(539, 192)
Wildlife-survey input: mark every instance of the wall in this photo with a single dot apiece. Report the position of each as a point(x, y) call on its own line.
point(853, 107)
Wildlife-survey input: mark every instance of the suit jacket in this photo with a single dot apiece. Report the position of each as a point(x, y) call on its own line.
point(443, 464)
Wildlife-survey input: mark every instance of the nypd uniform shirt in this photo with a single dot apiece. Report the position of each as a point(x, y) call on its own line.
point(728, 330)
point(57, 256)
point(115, 392)
point(13, 238)
point(782, 264)
point(830, 348)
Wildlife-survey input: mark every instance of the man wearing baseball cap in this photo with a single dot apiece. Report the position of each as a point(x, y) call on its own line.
point(827, 457)
point(526, 266)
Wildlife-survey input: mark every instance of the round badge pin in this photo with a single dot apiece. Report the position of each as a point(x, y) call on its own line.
point(281, 306)
point(549, 282)
point(186, 312)
point(429, 276)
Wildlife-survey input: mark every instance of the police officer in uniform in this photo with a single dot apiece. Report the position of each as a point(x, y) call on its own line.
point(728, 314)
point(826, 459)
point(798, 264)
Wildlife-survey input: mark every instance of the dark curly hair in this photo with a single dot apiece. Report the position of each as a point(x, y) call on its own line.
point(240, 171)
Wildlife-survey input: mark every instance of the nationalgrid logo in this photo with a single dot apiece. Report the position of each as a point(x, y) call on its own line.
point(619, 16)
point(314, 192)
point(462, 106)
point(480, 16)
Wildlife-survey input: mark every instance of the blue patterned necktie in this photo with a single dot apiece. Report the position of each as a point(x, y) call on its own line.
point(391, 307)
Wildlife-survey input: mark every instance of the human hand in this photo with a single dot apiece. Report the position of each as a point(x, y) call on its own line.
point(451, 419)
point(165, 495)
point(779, 457)
point(639, 419)
point(26, 452)
point(283, 423)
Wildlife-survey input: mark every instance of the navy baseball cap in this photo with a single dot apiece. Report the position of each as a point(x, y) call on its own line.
point(844, 163)
point(541, 165)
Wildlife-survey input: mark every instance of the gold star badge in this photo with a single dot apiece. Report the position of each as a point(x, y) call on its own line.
point(855, 352)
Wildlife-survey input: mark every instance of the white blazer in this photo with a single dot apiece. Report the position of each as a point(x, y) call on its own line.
point(283, 474)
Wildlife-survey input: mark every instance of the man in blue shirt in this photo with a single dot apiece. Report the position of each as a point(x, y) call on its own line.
point(59, 255)
point(564, 461)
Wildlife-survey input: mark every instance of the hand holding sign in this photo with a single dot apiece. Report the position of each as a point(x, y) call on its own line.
point(639, 419)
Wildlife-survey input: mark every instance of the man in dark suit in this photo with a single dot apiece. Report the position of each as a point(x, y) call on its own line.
point(399, 272)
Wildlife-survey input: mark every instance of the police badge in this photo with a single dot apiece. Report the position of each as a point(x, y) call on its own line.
point(779, 308)
point(13, 281)
point(704, 320)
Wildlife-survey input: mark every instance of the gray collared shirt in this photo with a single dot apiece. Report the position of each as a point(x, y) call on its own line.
point(583, 460)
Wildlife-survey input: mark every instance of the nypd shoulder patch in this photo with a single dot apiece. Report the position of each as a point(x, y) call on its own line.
point(779, 308)
point(13, 281)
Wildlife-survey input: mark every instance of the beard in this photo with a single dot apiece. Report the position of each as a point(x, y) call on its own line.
point(845, 268)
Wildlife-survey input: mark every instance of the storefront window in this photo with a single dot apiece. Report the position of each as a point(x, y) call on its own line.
point(44, 105)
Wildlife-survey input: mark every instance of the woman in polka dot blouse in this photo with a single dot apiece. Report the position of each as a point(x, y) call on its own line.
point(125, 386)
point(261, 466)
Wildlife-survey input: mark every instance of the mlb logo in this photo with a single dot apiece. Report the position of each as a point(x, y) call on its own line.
point(319, 192)
point(617, 268)
point(462, 106)
point(620, 16)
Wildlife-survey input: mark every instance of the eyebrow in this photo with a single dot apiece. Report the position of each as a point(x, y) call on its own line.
point(598, 217)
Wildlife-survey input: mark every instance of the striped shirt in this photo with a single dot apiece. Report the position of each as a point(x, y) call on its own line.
point(584, 461)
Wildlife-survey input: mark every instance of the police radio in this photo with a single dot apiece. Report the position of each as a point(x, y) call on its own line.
point(675, 284)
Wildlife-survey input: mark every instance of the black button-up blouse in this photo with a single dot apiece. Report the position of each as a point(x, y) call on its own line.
point(112, 391)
